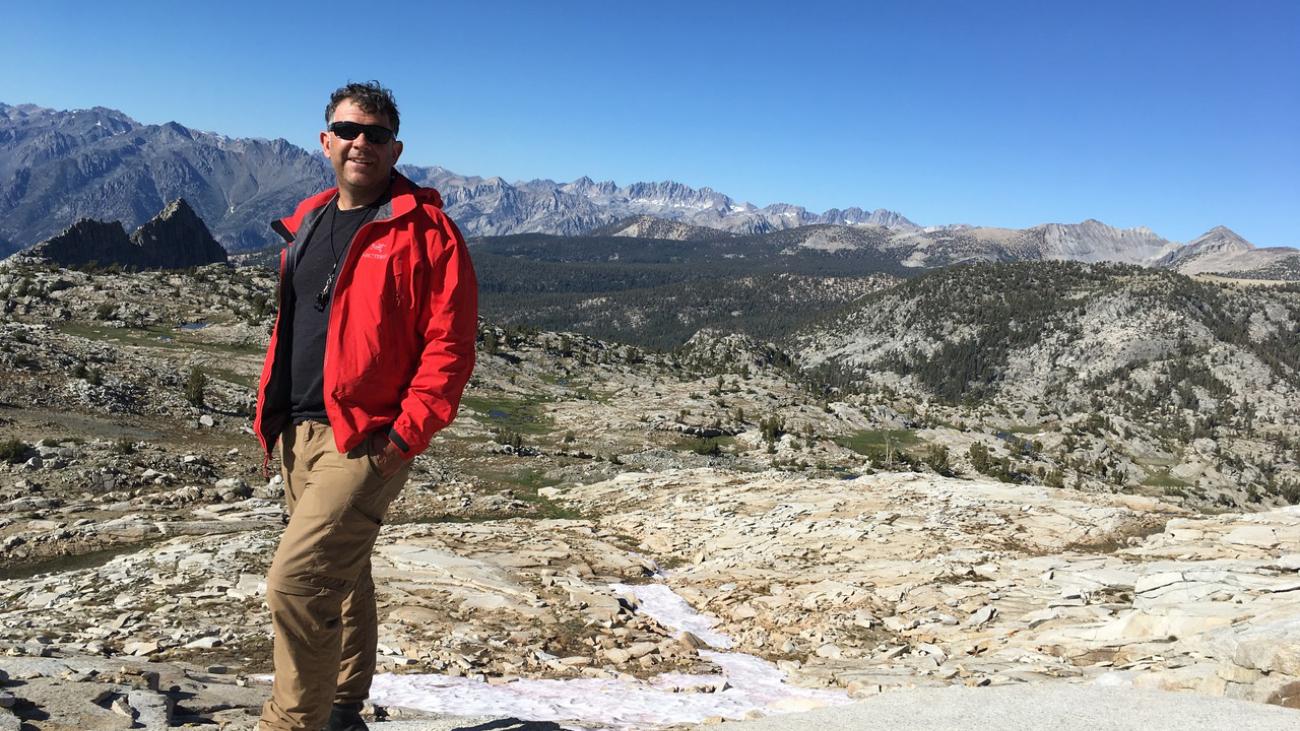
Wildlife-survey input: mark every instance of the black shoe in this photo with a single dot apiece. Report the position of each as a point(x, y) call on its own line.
point(346, 717)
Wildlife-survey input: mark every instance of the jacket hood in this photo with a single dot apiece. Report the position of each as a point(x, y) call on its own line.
point(427, 196)
point(406, 195)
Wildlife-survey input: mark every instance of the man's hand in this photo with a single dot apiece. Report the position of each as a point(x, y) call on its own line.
point(385, 455)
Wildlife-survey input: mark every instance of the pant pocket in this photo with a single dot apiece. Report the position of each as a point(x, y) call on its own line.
point(379, 493)
point(371, 466)
point(368, 514)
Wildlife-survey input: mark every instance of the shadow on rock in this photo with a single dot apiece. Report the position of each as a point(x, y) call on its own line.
point(512, 724)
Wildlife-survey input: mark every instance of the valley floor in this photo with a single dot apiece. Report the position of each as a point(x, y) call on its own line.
point(696, 530)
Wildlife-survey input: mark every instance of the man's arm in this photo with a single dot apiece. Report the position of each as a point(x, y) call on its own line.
point(449, 325)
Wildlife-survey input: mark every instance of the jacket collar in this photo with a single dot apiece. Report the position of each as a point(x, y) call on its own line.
point(404, 199)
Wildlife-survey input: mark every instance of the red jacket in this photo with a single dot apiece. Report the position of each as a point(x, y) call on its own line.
point(399, 346)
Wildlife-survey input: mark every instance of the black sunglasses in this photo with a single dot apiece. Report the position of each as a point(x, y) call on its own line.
point(375, 134)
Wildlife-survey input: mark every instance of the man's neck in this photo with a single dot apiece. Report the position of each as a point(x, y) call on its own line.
point(349, 200)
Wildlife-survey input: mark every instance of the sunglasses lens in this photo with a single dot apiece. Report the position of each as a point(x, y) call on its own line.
point(351, 130)
point(346, 130)
point(378, 135)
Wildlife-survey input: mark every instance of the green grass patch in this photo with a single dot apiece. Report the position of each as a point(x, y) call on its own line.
point(101, 332)
point(549, 510)
point(153, 337)
point(551, 378)
point(1155, 461)
point(449, 518)
point(518, 415)
point(229, 376)
point(874, 442)
point(597, 395)
point(530, 481)
point(889, 448)
point(708, 446)
point(525, 482)
point(13, 451)
point(1164, 479)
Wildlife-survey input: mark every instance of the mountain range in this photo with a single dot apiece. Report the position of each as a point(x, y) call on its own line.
point(57, 167)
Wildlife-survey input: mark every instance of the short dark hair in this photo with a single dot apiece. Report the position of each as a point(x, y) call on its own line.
point(371, 96)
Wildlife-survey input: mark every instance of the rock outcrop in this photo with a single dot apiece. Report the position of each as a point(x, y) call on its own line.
point(897, 581)
point(176, 238)
point(86, 242)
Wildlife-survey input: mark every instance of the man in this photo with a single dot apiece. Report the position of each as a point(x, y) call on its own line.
point(373, 344)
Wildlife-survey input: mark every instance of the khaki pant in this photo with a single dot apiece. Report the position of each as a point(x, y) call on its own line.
point(319, 588)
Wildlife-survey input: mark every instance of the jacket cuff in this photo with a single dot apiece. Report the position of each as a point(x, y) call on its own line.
point(398, 441)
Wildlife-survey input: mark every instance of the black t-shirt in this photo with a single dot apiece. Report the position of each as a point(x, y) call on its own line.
point(323, 254)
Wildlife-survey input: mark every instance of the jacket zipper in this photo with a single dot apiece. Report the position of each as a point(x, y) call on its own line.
point(347, 262)
point(286, 275)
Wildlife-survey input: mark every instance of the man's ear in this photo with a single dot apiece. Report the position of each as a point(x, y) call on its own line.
point(397, 150)
point(325, 143)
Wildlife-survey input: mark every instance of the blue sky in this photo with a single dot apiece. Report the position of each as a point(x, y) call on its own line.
point(1174, 115)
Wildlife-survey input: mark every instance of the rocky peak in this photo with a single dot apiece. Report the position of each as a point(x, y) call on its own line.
point(652, 227)
point(585, 187)
point(858, 217)
point(176, 130)
point(1220, 238)
point(75, 122)
point(17, 111)
point(1215, 250)
point(1092, 240)
point(176, 238)
point(672, 193)
point(85, 242)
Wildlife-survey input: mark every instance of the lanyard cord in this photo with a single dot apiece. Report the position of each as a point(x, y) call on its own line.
point(323, 297)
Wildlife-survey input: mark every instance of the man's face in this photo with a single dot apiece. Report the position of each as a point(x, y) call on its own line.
point(360, 166)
